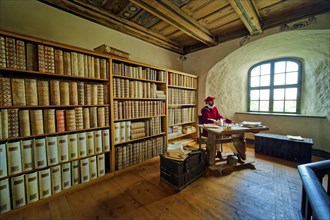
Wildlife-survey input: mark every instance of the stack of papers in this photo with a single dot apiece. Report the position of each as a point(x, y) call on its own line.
point(251, 124)
point(211, 126)
point(176, 152)
point(297, 138)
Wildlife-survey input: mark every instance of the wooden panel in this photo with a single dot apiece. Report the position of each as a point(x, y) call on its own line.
point(261, 4)
point(210, 8)
point(222, 16)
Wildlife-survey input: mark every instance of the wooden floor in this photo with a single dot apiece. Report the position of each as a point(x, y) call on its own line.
point(271, 191)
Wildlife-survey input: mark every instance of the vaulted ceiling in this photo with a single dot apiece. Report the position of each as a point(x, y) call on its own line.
point(185, 26)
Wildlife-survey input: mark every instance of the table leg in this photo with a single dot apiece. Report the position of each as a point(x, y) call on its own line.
point(210, 148)
point(240, 145)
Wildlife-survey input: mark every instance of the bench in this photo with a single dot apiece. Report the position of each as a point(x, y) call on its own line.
point(280, 146)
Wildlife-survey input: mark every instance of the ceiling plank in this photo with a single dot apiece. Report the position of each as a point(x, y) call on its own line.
point(102, 17)
point(173, 15)
point(248, 13)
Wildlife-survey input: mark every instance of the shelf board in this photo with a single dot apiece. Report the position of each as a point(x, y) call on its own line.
point(138, 79)
point(179, 105)
point(52, 134)
point(181, 87)
point(188, 122)
point(181, 135)
point(138, 139)
point(52, 106)
point(132, 119)
point(19, 72)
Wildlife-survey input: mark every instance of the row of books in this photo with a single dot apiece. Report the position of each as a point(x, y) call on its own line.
point(26, 122)
point(181, 96)
point(27, 155)
point(182, 80)
point(33, 92)
point(125, 88)
point(18, 191)
point(181, 115)
point(133, 153)
point(138, 72)
point(25, 55)
point(137, 109)
point(176, 130)
point(129, 130)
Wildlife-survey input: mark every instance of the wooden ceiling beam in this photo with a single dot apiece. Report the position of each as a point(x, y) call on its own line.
point(176, 17)
point(104, 18)
point(248, 13)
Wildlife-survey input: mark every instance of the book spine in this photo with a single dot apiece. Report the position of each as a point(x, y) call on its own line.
point(67, 63)
point(86, 117)
point(75, 177)
point(74, 64)
point(65, 93)
point(5, 200)
point(66, 176)
point(56, 179)
point(27, 155)
point(32, 188)
point(81, 66)
point(70, 120)
point(79, 118)
point(41, 58)
point(55, 97)
point(73, 93)
point(4, 123)
point(100, 165)
point(11, 53)
point(43, 93)
point(106, 140)
point(100, 117)
point(14, 157)
point(49, 121)
point(13, 123)
point(18, 191)
point(20, 53)
point(82, 148)
point(60, 121)
point(31, 57)
point(3, 59)
point(31, 92)
point(52, 150)
point(90, 142)
point(49, 59)
point(45, 184)
point(3, 161)
point(84, 168)
point(37, 126)
point(92, 167)
point(73, 146)
point(63, 148)
point(18, 92)
point(93, 117)
point(39, 153)
point(59, 61)
point(5, 92)
point(81, 93)
point(98, 141)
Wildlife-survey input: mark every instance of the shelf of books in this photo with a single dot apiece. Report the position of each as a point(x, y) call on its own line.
point(139, 121)
point(54, 120)
point(182, 103)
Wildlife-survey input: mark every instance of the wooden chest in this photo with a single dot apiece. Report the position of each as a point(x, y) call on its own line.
point(179, 174)
point(280, 146)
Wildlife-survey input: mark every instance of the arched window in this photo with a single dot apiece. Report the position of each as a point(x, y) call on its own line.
point(274, 86)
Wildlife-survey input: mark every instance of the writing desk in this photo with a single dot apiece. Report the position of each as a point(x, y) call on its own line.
point(217, 134)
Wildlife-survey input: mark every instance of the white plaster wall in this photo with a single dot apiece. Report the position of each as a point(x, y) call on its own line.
point(37, 19)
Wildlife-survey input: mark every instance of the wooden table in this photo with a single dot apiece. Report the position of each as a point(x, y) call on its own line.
point(218, 135)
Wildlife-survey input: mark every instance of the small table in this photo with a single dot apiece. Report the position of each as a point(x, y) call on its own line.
point(216, 134)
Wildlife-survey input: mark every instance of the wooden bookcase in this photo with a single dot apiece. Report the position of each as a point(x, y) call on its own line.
point(37, 91)
point(139, 117)
point(182, 107)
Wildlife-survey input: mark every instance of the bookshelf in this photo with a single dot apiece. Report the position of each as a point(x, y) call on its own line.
point(139, 116)
point(54, 120)
point(182, 104)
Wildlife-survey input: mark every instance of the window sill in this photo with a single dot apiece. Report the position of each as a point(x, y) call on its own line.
point(279, 114)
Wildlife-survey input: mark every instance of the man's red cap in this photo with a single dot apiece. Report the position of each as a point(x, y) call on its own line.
point(209, 98)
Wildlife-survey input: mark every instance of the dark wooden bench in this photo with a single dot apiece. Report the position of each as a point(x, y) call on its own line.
point(280, 146)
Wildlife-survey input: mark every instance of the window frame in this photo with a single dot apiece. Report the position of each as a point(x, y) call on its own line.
point(271, 86)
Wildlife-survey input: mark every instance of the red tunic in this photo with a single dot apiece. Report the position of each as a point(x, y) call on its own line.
point(211, 113)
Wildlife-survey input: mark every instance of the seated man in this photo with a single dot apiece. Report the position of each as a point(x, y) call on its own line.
point(211, 115)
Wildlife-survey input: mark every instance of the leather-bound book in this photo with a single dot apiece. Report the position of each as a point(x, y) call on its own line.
point(4, 123)
point(52, 150)
point(66, 175)
point(67, 63)
point(32, 189)
point(74, 64)
point(63, 148)
point(31, 56)
point(13, 123)
point(24, 123)
point(86, 117)
point(3, 59)
point(100, 94)
point(14, 162)
point(100, 117)
point(49, 59)
point(81, 93)
point(89, 67)
point(73, 93)
point(45, 183)
point(55, 97)
point(75, 175)
point(79, 118)
point(90, 142)
point(39, 153)
point(73, 146)
point(88, 94)
point(18, 92)
point(20, 55)
point(11, 53)
point(81, 67)
point(86, 65)
point(49, 121)
point(106, 96)
point(70, 120)
point(5, 92)
point(84, 169)
point(18, 191)
point(60, 121)
point(82, 147)
point(97, 68)
point(59, 62)
point(65, 93)
point(94, 94)
point(41, 58)
point(37, 124)
point(92, 71)
point(103, 69)
point(27, 155)
point(93, 117)
point(31, 92)
point(107, 115)
point(56, 179)
point(43, 93)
